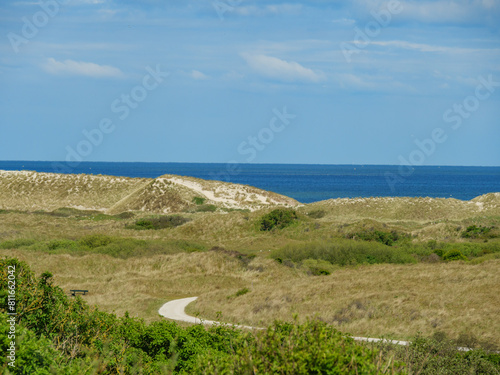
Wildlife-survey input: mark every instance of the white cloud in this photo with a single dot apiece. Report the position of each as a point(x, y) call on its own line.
point(198, 75)
point(288, 71)
point(425, 47)
point(81, 68)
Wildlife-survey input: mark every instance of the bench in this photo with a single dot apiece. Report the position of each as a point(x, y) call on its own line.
point(74, 291)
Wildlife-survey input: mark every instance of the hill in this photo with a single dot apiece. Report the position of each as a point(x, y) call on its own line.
point(26, 190)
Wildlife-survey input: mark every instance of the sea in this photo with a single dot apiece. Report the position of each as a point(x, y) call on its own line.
point(306, 183)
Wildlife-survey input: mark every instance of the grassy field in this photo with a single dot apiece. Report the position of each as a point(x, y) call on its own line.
point(380, 267)
point(396, 301)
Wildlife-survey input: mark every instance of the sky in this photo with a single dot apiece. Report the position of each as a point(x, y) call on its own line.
point(238, 81)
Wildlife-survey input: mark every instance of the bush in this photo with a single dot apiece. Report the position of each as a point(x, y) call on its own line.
point(318, 267)
point(454, 255)
point(387, 238)
point(429, 356)
point(279, 218)
point(161, 222)
point(476, 232)
point(292, 348)
point(242, 292)
point(199, 200)
point(344, 252)
point(95, 241)
point(16, 244)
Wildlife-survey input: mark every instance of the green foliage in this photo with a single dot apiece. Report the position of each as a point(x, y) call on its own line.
point(292, 348)
point(68, 212)
point(387, 238)
point(454, 255)
point(432, 356)
point(279, 218)
point(17, 243)
point(318, 267)
point(114, 246)
point(95, 241)
point(474, 231)
point(199, 200)
point(343, 252)
point(161, 222)
point(439, 252)
point(242, 292)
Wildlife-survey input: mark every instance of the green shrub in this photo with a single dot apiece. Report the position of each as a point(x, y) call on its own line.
point(292, 348)
point(474, 231)
point(242, 292)
point(318, 267)
point(387, 238)
point(454, 255)
point(279, 218)
point(199, 200)
point(16, 244)
point(343, 252)
point(95, 241)
point(161, 222)
point(439, 252)
point(429, 356)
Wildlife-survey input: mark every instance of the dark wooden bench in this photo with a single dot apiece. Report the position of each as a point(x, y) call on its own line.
point(74, 291)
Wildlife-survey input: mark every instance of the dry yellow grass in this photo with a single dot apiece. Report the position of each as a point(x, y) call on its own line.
point(395, 301)
point(27, 190)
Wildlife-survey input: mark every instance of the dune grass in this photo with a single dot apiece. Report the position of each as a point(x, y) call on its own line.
point(390, 300)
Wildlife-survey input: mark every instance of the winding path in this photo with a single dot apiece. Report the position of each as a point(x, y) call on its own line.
point(175, 310)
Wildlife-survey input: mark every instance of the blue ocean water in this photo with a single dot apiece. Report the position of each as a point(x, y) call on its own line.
point(309, 183)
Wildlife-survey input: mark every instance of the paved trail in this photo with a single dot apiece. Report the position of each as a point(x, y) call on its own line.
point(175, 310)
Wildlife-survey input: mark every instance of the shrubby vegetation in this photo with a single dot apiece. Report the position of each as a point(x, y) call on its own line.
point(277, 219)
point(68, 212)
point(474, 231)
point(387, 238)
point(343, 252)
point(160, 222)
point(99, 243)
point(63, 335)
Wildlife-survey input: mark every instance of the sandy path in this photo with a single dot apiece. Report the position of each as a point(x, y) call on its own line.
point(175, 310)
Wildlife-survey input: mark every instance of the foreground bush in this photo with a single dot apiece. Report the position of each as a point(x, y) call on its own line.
point(292, 348)
point(279, 219)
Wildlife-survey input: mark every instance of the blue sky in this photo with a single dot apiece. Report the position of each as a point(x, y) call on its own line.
point(327, 82)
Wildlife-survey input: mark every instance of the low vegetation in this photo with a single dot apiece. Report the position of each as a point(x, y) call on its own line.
point(374, 267)
point(65, 335)
point(277, 219)
point(102, 244)
point(160, 222)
